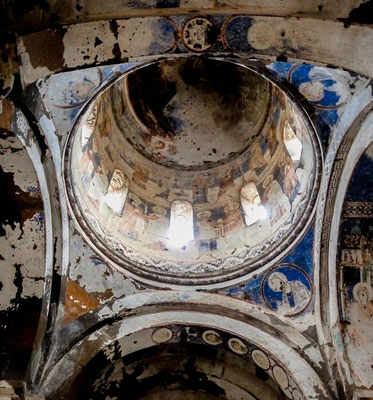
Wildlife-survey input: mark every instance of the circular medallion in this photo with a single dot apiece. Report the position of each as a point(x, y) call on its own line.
point(187, 334)
point(261, 359)
point(237, 346)
point(287, 289)
point(162, 335)
point(212, 337)
point(280, 376)
point(196, 34)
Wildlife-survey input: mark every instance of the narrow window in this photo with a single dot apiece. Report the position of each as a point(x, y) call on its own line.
point(292, 143)
point(251, 204)
point(181, 223)
point(117, 191)
point(89, 126)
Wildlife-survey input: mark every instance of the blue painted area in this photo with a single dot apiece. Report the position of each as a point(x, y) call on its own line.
point(301, 256)
point(290, 282)
point(111, 71)
point(96, 261)
point(33, 190)
point(326, 109)
point(280, 69)
point(236, 34)
point(164, 38)
point(300, 75)
point(74, 112)
point(250, 291)
point(40, 220)
point(361, 184)
point(152, 3)
point(207, 245)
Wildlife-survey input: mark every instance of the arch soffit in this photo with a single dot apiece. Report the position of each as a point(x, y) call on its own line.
point(343, 161)
point(284, 345)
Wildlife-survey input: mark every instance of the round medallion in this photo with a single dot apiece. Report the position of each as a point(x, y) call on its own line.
point(196, 34)
point(261, 359)
point(280, 376)
point(237, 346)
point(187, 334)
point(212, 337)
point(162, 335)
point(287, 289)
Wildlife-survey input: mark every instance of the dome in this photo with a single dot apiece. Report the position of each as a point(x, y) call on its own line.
point(192, 171)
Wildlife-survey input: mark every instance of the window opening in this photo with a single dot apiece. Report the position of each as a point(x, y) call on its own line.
point(117, 191)
point(181, 223)
point(292, 143)
point(251, 204)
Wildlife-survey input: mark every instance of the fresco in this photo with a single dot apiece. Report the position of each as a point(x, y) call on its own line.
point(65, 94)
point(287, 287)
point(212, 187)
point(327, 91)
point(116, 360)
point(22, 250)
point(355, 267)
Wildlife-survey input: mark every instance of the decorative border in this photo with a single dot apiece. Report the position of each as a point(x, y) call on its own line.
point(250, 352)
point(357, 209)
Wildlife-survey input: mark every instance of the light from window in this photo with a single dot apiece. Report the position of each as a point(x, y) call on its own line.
point(89, 126)
point(181, 223)
point(117, 191)
point(251, 204)
point(292, 143)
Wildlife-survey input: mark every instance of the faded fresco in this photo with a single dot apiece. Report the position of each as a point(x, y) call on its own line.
point(64, 95)
point(22, 250)
point(327, 91)
point(355, 267)
point(182, 351)
point(286, 288)
point(213, 188)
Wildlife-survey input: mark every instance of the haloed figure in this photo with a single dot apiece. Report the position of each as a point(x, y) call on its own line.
point(294, 290)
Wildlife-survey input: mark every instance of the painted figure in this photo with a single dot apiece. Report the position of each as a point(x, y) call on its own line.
point(278, 282)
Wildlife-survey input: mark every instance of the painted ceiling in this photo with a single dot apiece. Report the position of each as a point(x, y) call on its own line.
point(189, 103)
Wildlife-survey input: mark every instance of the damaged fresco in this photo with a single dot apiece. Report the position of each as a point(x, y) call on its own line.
point(213, 188)
point(197, 345)
point(355, 267)
point(22, 251)
point(129, 108)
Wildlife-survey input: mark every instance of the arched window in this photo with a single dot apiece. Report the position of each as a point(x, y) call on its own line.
point(117, 191)
point(89, 126)
point(292, 143)
point(252, 205)
point(181, 223)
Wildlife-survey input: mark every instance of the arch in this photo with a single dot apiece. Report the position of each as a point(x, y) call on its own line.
point(210, 311)
point(357, 139)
